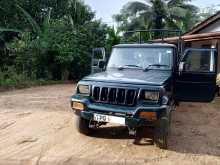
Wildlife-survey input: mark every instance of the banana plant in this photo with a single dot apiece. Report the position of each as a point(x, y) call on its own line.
point(30, 19)
point(35, 26)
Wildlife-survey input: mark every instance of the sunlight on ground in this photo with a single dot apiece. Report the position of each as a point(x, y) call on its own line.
point(216, 103)
point(218, 79)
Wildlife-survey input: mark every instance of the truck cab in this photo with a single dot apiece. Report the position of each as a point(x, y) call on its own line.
point(140, 86)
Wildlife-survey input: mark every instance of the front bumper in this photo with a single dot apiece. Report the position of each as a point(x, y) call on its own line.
point(131, 114)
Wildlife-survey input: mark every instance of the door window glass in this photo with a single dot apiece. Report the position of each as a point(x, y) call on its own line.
point(199, 60)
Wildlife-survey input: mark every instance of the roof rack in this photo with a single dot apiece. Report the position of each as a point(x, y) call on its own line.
point(156, 36)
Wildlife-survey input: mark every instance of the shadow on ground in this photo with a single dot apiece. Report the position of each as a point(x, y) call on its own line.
point(191, 126)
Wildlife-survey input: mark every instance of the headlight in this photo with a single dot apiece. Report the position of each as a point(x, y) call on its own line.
point(83, 89)
point(151, 95)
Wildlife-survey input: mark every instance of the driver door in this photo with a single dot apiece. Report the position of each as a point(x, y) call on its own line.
point(195, 81)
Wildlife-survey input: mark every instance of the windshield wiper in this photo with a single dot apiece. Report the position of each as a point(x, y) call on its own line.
point(128, 66)
point(157, 65)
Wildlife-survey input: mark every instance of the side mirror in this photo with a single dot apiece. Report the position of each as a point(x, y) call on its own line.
point(101, 64)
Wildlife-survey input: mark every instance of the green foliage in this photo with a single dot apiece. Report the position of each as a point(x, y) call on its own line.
point(10, 77)
point(113, 38)
point(157, 14)
point(33, 23)
point(54, 44)
point(53, 40)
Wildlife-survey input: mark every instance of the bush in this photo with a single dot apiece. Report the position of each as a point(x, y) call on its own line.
point(10, 78)
point(52, 48)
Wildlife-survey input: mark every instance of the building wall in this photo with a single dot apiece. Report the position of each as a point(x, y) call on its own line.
point(218, 78)
point(200, 44)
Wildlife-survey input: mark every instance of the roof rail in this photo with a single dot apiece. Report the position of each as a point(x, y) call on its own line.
point(158, 33)
point(157, 36)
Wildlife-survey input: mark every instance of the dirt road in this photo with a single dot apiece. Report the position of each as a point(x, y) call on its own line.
point(37, 127)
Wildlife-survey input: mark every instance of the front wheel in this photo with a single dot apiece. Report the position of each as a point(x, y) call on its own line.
point(82, 125)
point(161, 133)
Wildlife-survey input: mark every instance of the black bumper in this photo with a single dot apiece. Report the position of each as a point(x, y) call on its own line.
point(131, 114)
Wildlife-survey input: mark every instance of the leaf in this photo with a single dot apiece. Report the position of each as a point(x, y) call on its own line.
point(9, 30)
point(135, 7)
point(173, 3)
point(30, 19)
point(177, 12)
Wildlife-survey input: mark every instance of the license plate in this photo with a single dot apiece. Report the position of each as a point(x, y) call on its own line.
point(109, 119)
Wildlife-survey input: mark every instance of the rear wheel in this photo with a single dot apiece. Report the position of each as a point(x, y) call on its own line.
point(82, 125)
point(161, 133)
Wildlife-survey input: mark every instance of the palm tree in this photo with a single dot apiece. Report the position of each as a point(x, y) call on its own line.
point(157, 14)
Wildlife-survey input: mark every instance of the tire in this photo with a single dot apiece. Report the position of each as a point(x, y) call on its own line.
point(82, 125)
point(161, 131)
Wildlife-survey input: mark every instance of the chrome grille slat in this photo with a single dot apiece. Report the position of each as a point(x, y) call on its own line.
point(95, 93)
point(104, 94)
point(114, 95)
point(135, 95)
point(100, 91)
point(126, 92)
point(108, 94)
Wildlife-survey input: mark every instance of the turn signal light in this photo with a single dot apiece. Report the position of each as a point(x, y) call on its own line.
point(78, 106)
point(148, 115)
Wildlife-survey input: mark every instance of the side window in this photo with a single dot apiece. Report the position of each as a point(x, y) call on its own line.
point(199, 61)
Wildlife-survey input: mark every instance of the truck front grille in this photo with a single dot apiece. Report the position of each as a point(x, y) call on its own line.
point(111, 95)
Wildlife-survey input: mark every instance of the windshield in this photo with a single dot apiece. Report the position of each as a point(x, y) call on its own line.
point(152, 58)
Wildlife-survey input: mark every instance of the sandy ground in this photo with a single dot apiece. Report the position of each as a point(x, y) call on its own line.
point(37, 127)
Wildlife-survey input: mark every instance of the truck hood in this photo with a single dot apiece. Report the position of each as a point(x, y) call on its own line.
point(127, 76)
